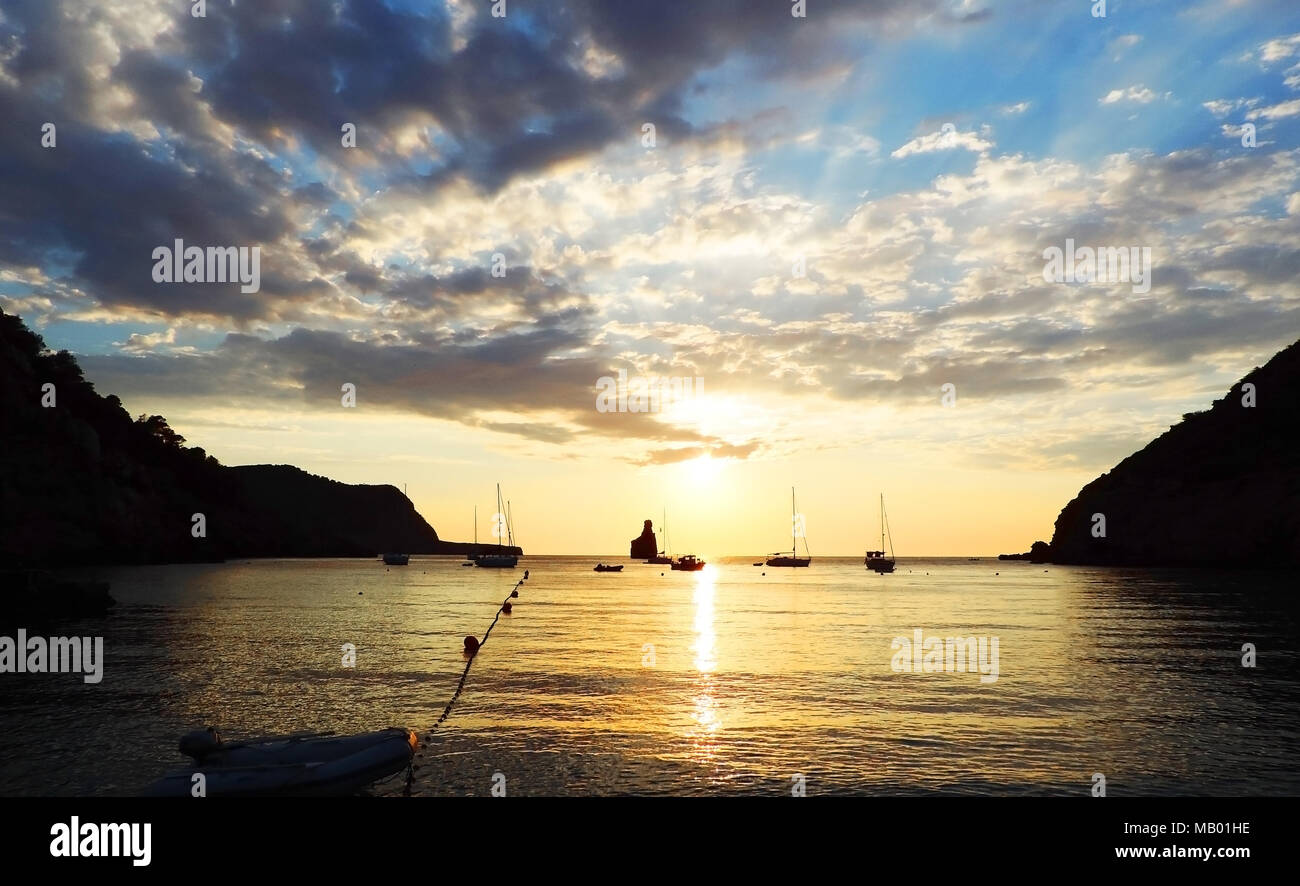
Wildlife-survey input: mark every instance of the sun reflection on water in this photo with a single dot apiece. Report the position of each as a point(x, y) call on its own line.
point(705, 713)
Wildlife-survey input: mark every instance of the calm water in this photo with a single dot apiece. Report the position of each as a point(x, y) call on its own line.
point(729, 681)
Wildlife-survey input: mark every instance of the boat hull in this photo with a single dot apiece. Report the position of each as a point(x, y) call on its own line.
point(497, 561)
point(789, 561)
point(299, 767)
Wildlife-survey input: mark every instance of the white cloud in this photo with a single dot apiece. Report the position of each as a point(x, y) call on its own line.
point(1279, 48)
point(1274, 112)
point(1221, 107)
point(943, 140)
point(1138, 93)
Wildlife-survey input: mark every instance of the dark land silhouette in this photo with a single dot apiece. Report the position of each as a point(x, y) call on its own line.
point(1220, 488)
point(82, 483)
point(644, 546)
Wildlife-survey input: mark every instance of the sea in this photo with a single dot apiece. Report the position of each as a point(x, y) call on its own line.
point(737, 680)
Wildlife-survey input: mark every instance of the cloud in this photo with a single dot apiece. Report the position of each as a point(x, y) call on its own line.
point(1123, 43)
point(1279, 48)
point(1277, 111)
point(1223, 107)
point(943, 140)
point(1137, 94)
point(139, 342)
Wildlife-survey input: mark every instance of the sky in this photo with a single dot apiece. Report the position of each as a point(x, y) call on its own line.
point(828, 232)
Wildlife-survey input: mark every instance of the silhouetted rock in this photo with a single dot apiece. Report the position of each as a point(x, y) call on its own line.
point(1221, 488)
point(644, 546)
point(82, 483)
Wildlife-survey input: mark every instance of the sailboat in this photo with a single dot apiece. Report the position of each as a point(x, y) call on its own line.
point(663, 558)
point(474, 554)
point(779, 558)
point(876, 561)
point(502, 559)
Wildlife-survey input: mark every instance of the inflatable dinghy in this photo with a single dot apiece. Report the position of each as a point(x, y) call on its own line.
point(303, 764)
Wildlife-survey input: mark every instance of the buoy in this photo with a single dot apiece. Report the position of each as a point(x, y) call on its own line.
point(506, 608)
point(516, 593)
point(765, 573)
point(471, 644)
point(525, 575)
point(358, 593)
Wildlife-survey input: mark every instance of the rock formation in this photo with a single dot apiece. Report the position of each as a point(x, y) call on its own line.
point(645, 545)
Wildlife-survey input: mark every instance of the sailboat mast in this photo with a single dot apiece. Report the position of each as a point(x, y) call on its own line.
point(794, 541)
point(476, 525)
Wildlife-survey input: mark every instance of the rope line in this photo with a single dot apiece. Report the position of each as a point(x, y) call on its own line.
point(465, 673)
point(514, 592)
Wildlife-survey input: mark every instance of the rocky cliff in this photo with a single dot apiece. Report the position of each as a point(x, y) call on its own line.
point(1220, 488)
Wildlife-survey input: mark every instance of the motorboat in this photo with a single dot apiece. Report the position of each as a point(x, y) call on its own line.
point(688, 563)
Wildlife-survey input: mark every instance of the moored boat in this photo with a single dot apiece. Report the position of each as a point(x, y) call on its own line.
point(796, 532)
point(603, 567)
point(877, 561)
point(501, 558)
point(688, 563)
point(662, 558)
point(394, 559)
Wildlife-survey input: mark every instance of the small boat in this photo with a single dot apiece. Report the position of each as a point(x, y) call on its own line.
point(36, 594)
point(876, 561)
point(780, 558)
point(601, 567)
point(396, 559)
point(501, 559)
point(688, 563)
point(302, 764)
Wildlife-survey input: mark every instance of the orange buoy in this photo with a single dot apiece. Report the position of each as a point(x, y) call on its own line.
point(505, 607)
point(471, 644)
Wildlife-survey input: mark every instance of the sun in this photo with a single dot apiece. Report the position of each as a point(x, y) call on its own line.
point(705, 469)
